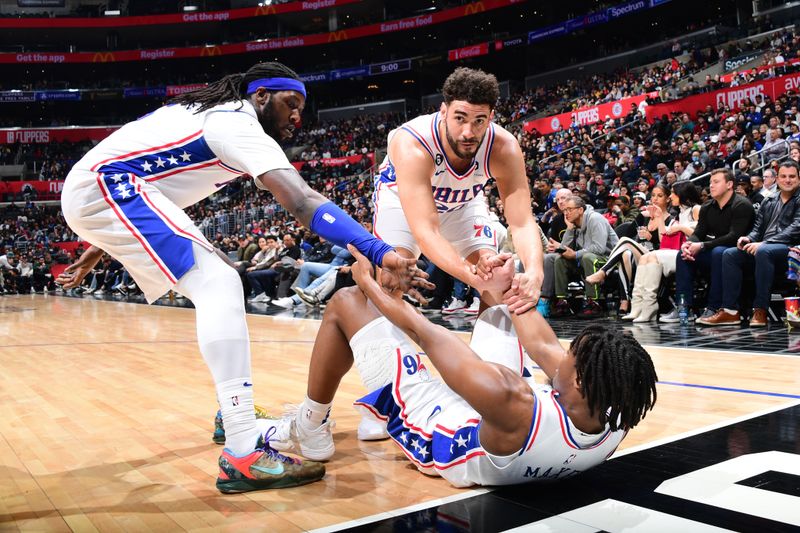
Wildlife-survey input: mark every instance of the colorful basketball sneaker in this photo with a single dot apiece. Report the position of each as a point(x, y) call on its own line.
point(263, 469)
point(219, 429)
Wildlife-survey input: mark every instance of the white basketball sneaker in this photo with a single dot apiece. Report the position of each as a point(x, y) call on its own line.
point(290, 436)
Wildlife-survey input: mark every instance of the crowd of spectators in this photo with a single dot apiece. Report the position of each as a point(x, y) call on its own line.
point(667, 80)
point(347, 137)
point(28, 251)
point(613, 193)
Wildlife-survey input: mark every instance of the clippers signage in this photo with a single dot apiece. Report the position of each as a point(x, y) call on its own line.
point(42, 187)
point(17, 96)
point(584, 116)
point(261, 45)
point(468, 51)
point(733, 98)
point(178, 18)
point(47, 135)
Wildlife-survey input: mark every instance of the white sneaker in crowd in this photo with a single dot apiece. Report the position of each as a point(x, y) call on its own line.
point(473, 307)
point(286, 303)
point(456, 306)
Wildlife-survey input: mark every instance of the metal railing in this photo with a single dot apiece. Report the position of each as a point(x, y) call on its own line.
point(233, 221)
point(764, 161)
point(581, 145)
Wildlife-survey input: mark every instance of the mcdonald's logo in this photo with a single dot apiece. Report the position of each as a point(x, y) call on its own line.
point(210, 51)
point(103, 57)
point(474, 8)
point(336, 36)
point(265, 10)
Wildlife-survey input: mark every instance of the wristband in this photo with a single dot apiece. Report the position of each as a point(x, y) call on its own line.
point(333, 224)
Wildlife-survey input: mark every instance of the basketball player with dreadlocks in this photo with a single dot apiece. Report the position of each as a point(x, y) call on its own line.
point(486, 422)
point(126, 196)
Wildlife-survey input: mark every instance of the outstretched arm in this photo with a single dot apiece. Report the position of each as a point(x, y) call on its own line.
point(504, 399)
point(74, 273)
point(326, 220)
point(512, 183)
point(533, 331)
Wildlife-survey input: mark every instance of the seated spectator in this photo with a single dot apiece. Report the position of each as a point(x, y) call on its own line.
point(586, 245)
point(619, 211)
point(685, 199)
point(266, 256)
point(764, 249)
point(725, 218)
point(25, 278)
point(552, 220)
point(776, 146)
point(244, 265)
point(8, 273)
point(311, 271)
point(42, 278)
point(244, 254)
point(626, 254)
point(265, 282)
point(770, 185)
point(744, 187)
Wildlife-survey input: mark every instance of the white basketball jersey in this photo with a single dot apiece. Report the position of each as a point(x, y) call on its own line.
point(451, 190)
point(187, 156)
point(440, 432)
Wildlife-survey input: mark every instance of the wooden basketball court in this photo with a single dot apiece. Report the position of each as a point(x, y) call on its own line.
point(106, 416)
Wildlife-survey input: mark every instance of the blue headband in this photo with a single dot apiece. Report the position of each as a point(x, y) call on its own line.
point(277, 84)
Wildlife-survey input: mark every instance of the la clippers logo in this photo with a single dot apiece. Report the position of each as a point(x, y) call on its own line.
point(555, 124)
point(616, 109)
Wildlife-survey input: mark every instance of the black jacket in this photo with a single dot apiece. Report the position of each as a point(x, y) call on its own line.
point(320, 253)
point(723, 227)
point(788, 220)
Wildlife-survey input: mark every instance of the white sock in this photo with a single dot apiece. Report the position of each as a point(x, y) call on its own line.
point(238, 413)
point(216, 291)
point(312, 414)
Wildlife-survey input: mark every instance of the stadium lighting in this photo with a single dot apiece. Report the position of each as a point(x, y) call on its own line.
point(189, 8)
point(112, 12)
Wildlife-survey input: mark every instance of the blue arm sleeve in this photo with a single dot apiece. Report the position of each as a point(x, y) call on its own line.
point(336, 226)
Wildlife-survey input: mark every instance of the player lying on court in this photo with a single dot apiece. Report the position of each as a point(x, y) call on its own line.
point(485, 422)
